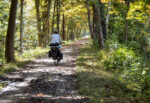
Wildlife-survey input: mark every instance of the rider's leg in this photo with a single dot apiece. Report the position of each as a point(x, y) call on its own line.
point(61, 55)
point(50, 54)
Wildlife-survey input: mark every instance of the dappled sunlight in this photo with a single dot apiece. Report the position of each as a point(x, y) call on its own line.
point(43, 60)
point(68, 51)
point(43, 79)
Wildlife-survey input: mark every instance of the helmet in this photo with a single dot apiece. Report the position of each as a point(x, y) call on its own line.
point(55, 31)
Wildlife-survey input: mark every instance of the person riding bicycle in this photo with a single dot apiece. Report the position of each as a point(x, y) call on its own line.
point(56, 41)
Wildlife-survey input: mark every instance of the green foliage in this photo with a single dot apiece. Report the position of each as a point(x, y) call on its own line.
point(130, 85)
point(120, 59)
point(4, 12)
point(138, 18)
point(129, 61)
point(134, 45)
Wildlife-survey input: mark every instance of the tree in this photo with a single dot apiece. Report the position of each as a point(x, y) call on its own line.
point(103, 19)
point(58, 14)
point(53, 19)
point(107, 17)
point(95, 19)
point(101, 35)
point(89, 19)
point(45, 21)
point(63, 27)
point(21, 27)
point(37, 5)
point(9, 48)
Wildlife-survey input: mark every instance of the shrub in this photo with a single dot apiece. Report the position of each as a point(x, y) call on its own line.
point(120, 59)
point(134, 46)
point(132, 67)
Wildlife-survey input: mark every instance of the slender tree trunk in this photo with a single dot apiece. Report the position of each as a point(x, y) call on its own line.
point(53, 17)
point(95, 20)
point(63, 27)
point(37, 5)
point(103, 19)
point(79, 32)
point(72, 35)
point(45, 19)
point(21, 27)
point(126, 22)
point(48, 17)
point(107, 18)
point(67, 33)
point(101, 38)
point(58, 14)
point(89, 19)
point(9, 48)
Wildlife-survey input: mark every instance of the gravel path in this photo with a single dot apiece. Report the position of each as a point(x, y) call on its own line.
point(42, 81)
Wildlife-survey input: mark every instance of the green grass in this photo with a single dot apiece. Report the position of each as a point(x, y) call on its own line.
point(22, 59)
point(98, 84)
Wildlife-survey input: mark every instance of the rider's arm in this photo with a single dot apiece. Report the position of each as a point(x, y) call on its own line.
point(50, 39)
point(60, 40)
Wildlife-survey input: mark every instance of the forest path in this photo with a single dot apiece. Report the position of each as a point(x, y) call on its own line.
point(41, 81)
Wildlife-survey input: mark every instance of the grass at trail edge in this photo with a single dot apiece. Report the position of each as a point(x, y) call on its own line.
point(22, 59)
point(26, 57)
point(100, 85)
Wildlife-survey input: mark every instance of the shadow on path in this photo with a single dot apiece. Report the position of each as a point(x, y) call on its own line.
point(41, 81)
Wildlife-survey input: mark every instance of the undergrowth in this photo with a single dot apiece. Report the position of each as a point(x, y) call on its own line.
point(116, 74)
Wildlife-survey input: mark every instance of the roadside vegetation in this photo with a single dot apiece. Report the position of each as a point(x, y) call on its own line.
point(119, 73)
point(22, 59)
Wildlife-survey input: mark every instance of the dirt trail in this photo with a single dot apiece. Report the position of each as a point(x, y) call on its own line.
point(41, 81)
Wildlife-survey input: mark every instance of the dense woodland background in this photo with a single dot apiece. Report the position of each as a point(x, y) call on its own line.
point(119, 30)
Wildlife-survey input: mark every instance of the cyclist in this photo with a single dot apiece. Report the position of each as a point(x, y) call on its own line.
point(56, 41)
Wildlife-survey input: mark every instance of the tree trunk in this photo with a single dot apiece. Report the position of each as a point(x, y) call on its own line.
point(79, 32)
point(9, 48)
point(103, 19)
point(67, 33)
point(58, 14)
point(45, 21)
point(72, 35)
point(48, 24)
point(107, 18)
point(101, 38)
point(63, 27)
point(89, 19)
point(95, 20)
point(21, 27)
point(53, 17)
point(48, 17)
point(46, 4)
point(126, 22)
point(37, 5)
